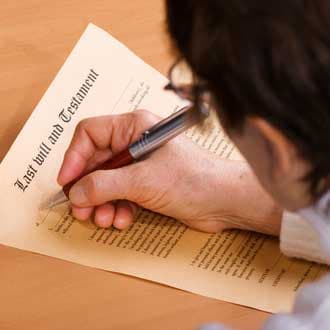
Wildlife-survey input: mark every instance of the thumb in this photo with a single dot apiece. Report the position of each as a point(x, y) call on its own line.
point(100, 187)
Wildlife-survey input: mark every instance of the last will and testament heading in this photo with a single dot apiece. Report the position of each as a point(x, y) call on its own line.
point(65, 115)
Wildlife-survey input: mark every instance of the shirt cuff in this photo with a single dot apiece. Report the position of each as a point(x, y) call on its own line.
point(299, 239)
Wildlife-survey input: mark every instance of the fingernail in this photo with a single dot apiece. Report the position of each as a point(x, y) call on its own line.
point(78, 195)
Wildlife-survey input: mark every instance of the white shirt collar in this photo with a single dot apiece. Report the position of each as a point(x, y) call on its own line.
point(318, 216)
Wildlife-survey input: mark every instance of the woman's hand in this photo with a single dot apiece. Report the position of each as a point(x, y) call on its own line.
point(179, 180)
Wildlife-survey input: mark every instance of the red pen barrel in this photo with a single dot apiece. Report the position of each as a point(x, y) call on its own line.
point(121, 159)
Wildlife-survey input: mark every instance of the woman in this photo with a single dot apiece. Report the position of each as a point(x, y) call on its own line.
point(266, 66)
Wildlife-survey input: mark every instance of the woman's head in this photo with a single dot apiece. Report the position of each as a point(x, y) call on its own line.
point(267, 65)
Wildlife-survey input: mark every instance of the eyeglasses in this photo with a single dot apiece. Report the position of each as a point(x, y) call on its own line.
point(186, 85)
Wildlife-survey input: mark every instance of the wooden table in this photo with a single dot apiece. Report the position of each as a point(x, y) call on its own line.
point(39, 292)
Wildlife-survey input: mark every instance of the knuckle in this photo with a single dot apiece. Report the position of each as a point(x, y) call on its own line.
point(146, 116)
point(85, 124)
point(80, 128)
point(92, 187)
point(119, 186)
point(138, 178)
point(133, 172)
point(82, 124)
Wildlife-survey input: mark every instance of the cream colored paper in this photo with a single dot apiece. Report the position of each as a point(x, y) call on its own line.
point(104, 77)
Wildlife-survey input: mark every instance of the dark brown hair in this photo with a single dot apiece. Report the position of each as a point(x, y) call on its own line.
point(269, 59)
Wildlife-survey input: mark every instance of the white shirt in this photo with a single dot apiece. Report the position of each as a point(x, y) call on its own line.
point(307, 235)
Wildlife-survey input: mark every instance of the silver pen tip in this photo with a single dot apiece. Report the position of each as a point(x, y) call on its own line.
point(57, 199)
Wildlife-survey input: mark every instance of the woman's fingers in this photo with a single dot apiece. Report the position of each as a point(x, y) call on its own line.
point(82, 213)
point(125, 214)
point(113, 133)
point(90, 135)
point(104, 215)
point(120, 215)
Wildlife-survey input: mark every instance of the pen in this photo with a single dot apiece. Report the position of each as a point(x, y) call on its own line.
point(150, 140)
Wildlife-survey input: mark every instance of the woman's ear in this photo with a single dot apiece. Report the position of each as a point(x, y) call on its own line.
point(282, 151)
